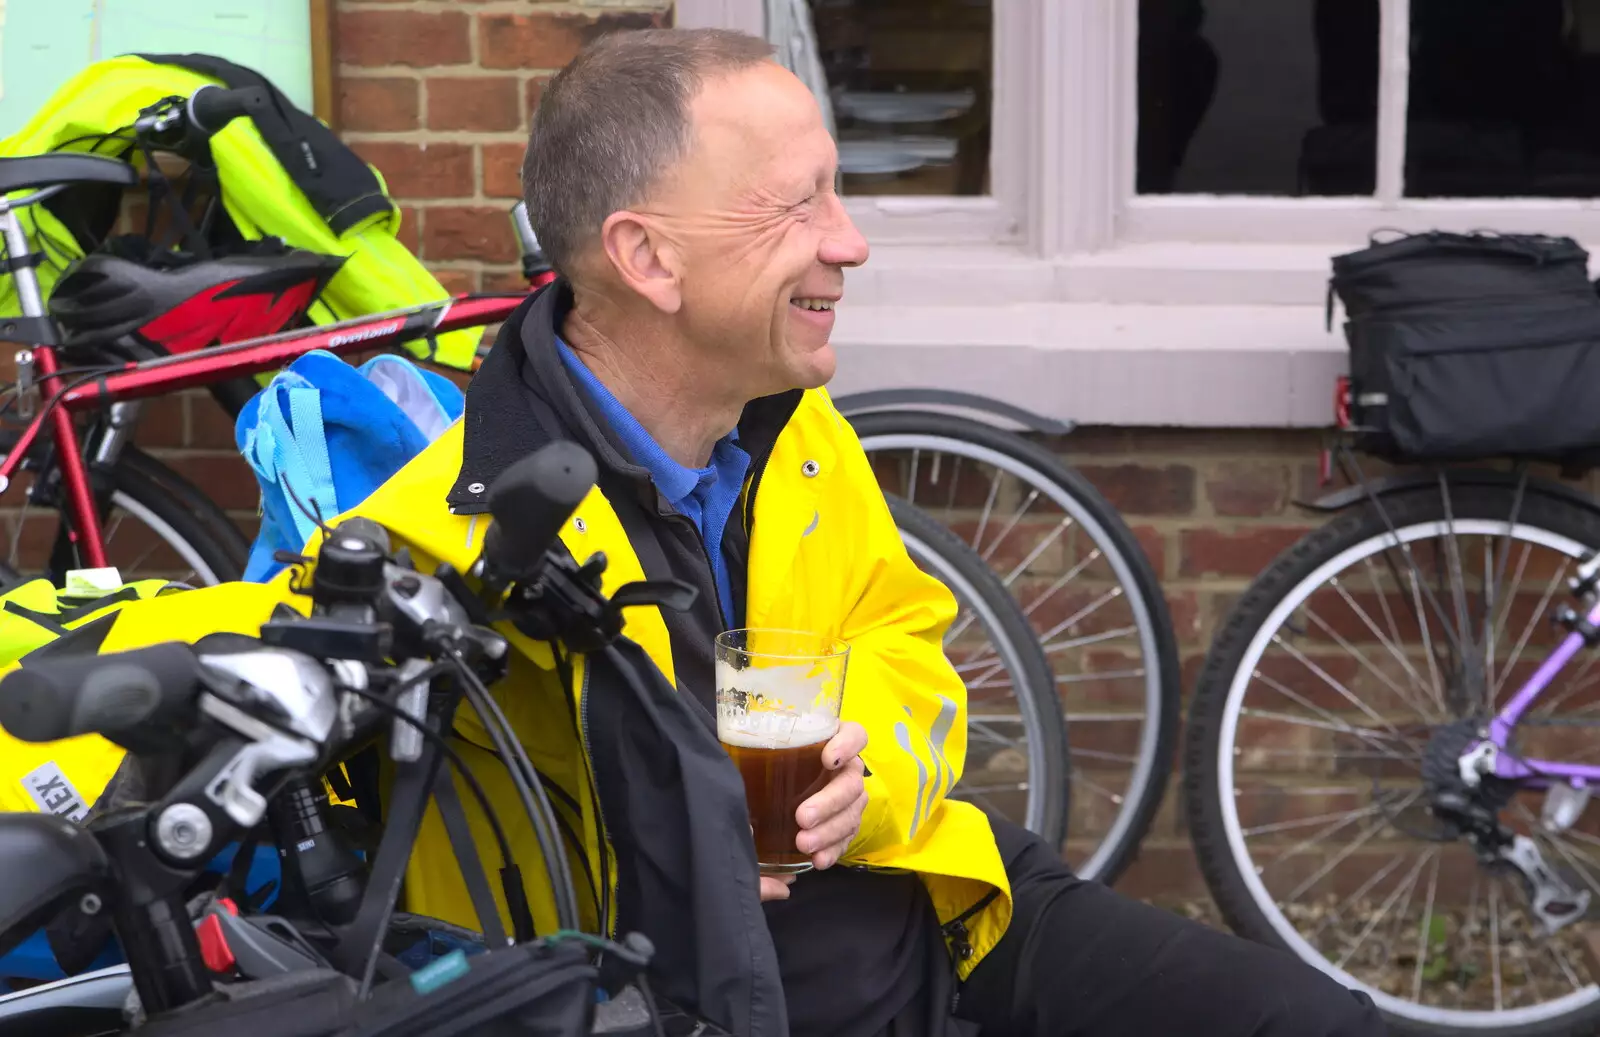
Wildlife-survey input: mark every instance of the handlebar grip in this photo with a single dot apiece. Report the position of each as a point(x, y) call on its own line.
point(211, 107)
point(530, 501)
point(61, 696)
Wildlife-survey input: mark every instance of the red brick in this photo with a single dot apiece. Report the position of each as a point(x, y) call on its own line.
point(377, 105)
point(502, 170)
point(528, 41)
point(1154, 544)
point(225, 478)
point(488, 103)
point(1243, 488)
point(469, 233)
point(416, 38)
point(1240, 552)
point(457, 282)
point(210, 427)
point(410, 230)
point(508, 280)
point(414, 171)
point(161, 423)
point(1163, 871)
point(1135, 489)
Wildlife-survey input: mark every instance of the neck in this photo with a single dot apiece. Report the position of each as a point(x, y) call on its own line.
point(649, 375)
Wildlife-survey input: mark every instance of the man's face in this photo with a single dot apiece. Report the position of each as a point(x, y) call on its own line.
point(762, 237)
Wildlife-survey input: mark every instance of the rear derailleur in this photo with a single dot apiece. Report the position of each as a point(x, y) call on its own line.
point(1464, 794)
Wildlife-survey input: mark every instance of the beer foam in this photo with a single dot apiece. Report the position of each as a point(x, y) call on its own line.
point(775, 730)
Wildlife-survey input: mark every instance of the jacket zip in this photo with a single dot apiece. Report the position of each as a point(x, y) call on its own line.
point(956, 928)
point(599, 811)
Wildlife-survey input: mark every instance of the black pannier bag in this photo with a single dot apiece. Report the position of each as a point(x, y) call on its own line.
point(1468, 346)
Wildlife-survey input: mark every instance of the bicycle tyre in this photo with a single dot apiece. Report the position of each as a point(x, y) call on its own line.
point(974, 584)
point(1209, 786)
point(173, 508)
point(1077, 497)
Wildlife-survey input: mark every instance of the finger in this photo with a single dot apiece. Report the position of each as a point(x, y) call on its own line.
point(835, 797)
point(835, 832)
point(775, 887)
point(848, 741)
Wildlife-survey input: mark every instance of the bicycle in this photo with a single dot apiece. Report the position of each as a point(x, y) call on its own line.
point(99, 484)
point(227, 739)
point(1389, 752)
point(1086, 590)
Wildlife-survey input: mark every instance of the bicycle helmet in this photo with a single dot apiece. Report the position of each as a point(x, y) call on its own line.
point(180, 303)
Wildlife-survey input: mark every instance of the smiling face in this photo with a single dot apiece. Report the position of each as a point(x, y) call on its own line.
point(758, 236)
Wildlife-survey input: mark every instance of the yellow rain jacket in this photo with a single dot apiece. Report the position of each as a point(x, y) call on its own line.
point(824, 556)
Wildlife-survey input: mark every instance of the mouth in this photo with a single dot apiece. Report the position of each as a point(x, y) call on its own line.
point(813, 304)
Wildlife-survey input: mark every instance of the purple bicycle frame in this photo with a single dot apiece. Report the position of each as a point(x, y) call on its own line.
point(1539, 773)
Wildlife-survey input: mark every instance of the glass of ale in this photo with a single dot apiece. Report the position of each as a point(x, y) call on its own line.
point(778, 697)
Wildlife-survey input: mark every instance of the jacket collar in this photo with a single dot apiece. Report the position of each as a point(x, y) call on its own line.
point(522, 398)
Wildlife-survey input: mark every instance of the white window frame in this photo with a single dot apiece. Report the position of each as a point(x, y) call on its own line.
point(1287, 220)
point(1015, 214)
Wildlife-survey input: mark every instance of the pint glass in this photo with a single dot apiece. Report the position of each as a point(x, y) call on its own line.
point(778, 697)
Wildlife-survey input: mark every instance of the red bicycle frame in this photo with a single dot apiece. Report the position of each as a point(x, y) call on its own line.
point(167, 374)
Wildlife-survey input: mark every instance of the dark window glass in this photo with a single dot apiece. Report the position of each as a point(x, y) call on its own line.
point(1265, 97)
point(1503, 98)
point(909, 82)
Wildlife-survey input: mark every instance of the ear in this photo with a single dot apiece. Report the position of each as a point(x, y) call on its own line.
point(643, 258)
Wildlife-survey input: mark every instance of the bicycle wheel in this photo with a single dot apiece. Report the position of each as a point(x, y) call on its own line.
point(157, 525)
point(1356, 659)
point(1087, 591)
point(1017, 759)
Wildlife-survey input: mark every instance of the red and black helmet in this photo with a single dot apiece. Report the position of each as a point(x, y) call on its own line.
point(180, 303)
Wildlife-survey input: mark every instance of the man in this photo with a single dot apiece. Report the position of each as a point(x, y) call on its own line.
point(682, 184)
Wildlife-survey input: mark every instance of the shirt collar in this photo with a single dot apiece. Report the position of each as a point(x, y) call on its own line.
point(674, 481)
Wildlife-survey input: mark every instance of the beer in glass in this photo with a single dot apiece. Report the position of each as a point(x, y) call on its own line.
point(778, 698)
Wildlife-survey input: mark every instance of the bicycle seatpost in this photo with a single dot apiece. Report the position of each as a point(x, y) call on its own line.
point(29, 299)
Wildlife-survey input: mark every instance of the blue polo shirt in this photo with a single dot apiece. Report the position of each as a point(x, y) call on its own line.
point(706, 496)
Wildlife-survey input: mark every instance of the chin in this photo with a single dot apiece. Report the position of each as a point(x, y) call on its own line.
point(816, 369)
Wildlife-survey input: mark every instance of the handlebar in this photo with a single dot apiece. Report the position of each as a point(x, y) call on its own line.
point(531, 502)
point(211, 107)
point(61, 696)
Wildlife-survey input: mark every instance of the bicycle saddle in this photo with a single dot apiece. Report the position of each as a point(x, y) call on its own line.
point(20, 174)
point(48, 859)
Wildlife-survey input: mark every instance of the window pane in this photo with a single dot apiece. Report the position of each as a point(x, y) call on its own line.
point(1266, 97)
point(908, 83)
point(1503, 97)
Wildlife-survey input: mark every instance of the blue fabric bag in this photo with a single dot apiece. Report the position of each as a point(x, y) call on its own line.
point(327, 434)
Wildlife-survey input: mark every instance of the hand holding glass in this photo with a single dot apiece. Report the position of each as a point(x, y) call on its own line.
point(778, 699)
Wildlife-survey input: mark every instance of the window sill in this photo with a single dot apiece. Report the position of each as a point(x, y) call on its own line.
point(1182, 334)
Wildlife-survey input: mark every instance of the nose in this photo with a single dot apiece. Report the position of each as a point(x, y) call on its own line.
point(843, 244)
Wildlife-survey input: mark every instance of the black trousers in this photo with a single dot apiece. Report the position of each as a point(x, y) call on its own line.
point(1080, 960)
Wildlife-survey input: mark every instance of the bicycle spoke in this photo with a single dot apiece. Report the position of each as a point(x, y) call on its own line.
point(1540, 612)
point(1081, 782)
point(1392, 647)
point(911, 481)
point(1494, 944)
point(1335, 724)
point(1108, 675)
point(1333, 862)
point(1427, 646)
point(1027, 502)
point(1038, 549)
point(1338, 725)
point(1373, 922)
point(1368, 664)
point(1423, 932)
point(988, 508)
point(1060, 582)
point(1337, 821)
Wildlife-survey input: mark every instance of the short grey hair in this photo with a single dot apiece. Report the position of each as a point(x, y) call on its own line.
point(612, 122)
